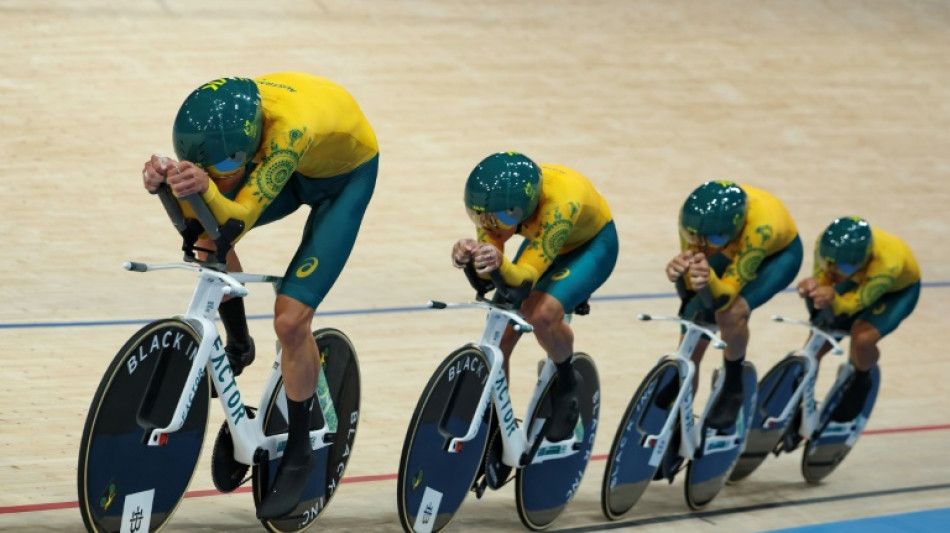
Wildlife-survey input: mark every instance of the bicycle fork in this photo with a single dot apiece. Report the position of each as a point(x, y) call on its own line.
point(158, 436)
point(683, 415)
point(520, 449)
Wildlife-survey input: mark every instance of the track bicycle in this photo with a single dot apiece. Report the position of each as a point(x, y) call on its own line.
point(464, 437)
point(659, 430)
point(146, 424)
point(787, 414)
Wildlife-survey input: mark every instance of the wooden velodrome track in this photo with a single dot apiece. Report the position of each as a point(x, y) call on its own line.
point(838, 107)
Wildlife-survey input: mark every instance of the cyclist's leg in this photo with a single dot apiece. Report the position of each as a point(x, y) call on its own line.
point(507, 345)
point(338, 205)
point(733, 322)
point(570, 280)
point(546, 316)
point(574, 276)
point(774, 274)
point(240, 346)
point(869, 327)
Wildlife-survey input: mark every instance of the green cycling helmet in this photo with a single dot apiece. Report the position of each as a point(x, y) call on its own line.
point(713, 214)
point(219, 125)
point(846, 245)
point(503, 191)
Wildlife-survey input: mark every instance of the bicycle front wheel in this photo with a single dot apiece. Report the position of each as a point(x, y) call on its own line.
point(124, 484)
point(631, 464)
point(432, 482)
point(342, 377)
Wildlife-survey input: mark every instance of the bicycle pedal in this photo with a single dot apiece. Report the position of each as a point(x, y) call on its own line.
point(479, 486)
point(790, 441)
point(669, 468)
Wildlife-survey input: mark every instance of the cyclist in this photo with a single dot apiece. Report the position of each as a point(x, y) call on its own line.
point(742, 243)
point(569, 249)
point(871, 282)
point(256, 150)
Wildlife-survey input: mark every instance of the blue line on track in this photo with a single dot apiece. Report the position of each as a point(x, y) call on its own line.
point(382, 310)
point(701, 515)
point(919, 522)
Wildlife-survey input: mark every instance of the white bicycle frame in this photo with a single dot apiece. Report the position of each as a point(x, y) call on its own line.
point(248, 434)
point(516, 441)
point(804, 394)
point(683, 405)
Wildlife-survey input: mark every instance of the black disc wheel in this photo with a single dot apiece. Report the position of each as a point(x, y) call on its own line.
point(633, 462)
point(432, 481)
point(125, 484)
point(339, 391)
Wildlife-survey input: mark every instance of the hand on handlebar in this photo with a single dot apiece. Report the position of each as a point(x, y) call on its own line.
point(486, 258)
point(462, 252)
point(693, 265)
point(155, 171)
point(822, 296)
point(806, 286)
point(678, 265)
point(698, 271)
point(186, 178)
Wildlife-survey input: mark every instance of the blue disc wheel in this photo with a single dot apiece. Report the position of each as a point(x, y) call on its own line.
point(341, 383)
point(125, 484)
point(775, 390)
point(719, 451)
point(544, 488)
point(633, 462)
point(433, 481)
point(825, 451)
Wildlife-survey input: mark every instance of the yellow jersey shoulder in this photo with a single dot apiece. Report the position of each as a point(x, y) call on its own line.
point(316, 119)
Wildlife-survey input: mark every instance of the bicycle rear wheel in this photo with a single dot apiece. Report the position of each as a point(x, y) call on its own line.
point(543, 489)
point(629, 470)
point(775, 390)
point(122, 481)
point(341, 370)
point(707, 473)
point(432, 483)
point(834, 441)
